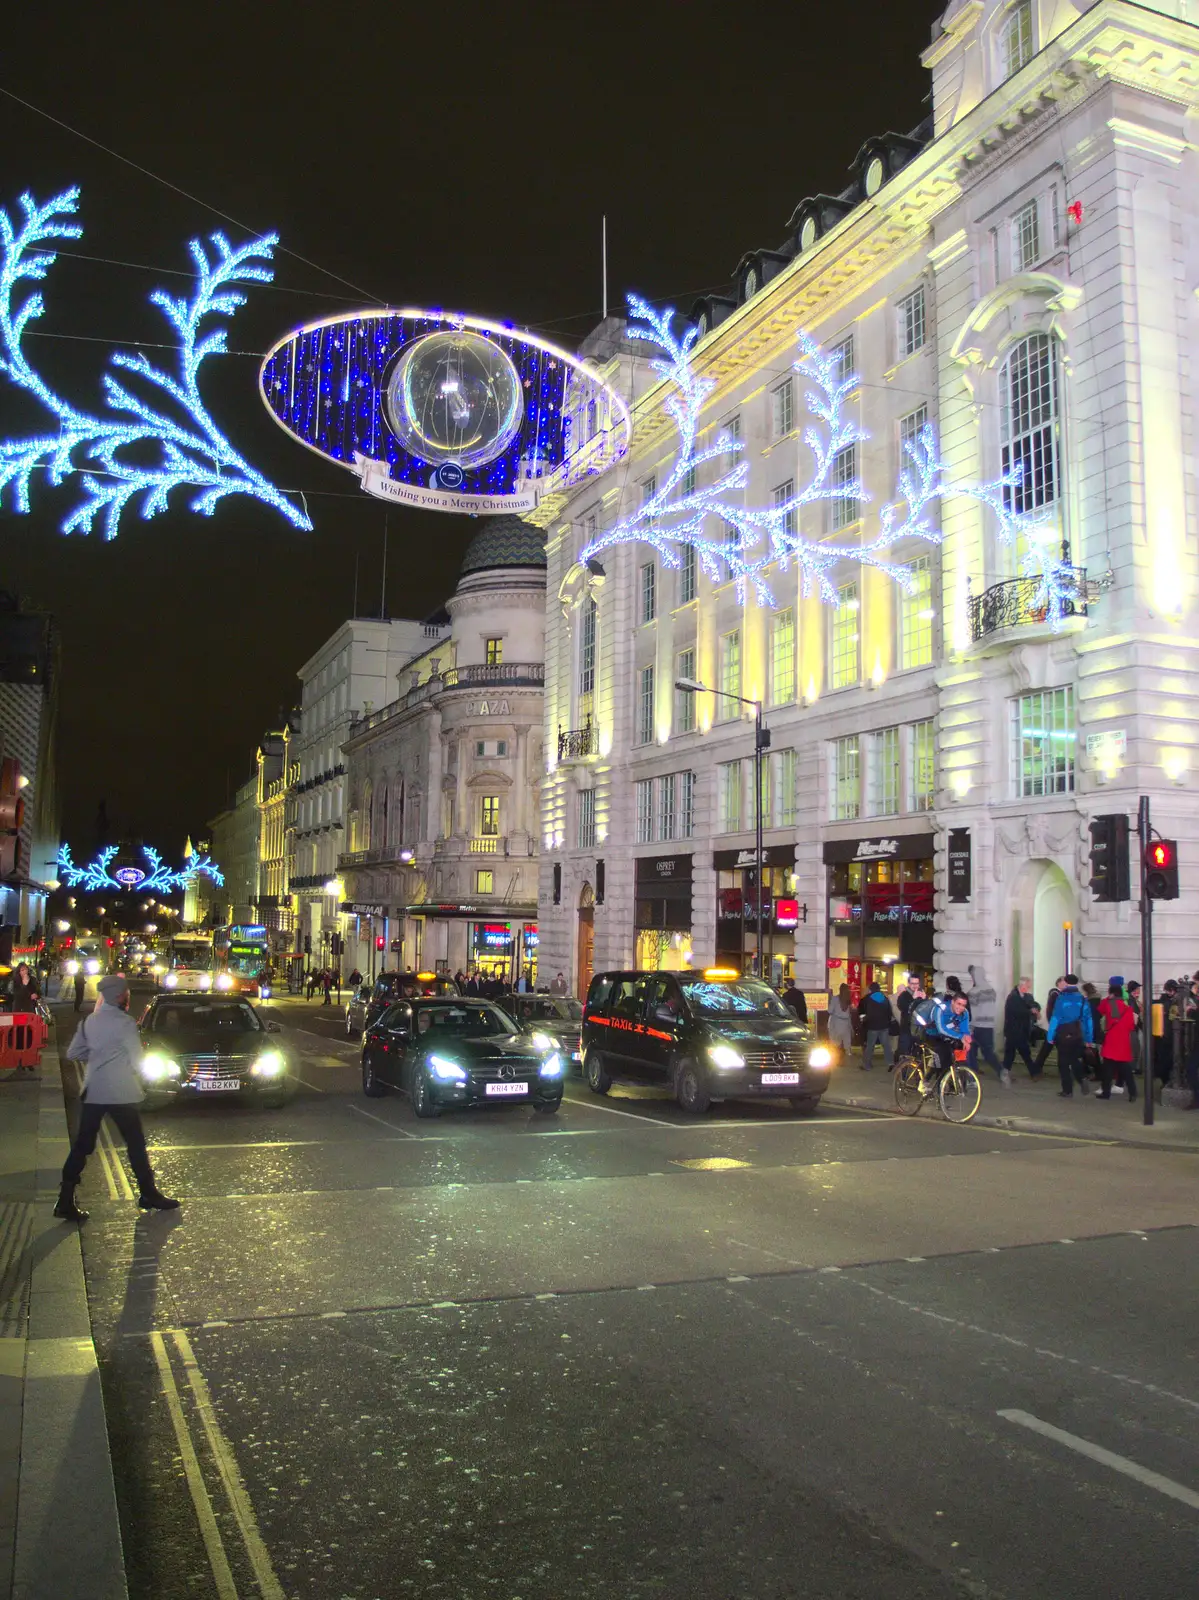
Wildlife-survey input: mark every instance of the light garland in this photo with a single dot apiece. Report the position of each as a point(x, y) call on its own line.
point(765, 537)
point(192, 451)
point(97, 874)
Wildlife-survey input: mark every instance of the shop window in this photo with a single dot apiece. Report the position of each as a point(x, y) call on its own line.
point(688, 576)
point(730, 675)
point(484, 881)
point(645, 705)
point(843, 667)
point(916, 616)
point(1030, 424)
point(586, 819)
point(649, 592)
point(922, 767)
point(684, 699)
point(884, 773)
point(782, 658)
point(495, 652)
point(644, 794)
point(846, 771)
point(489, 815)
point(910, 314)
point(667, 800)
point(846, 508)
point(729, 774)
point(1043, 739)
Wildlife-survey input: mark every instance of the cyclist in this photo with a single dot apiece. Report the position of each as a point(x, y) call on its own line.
point(949, 1027)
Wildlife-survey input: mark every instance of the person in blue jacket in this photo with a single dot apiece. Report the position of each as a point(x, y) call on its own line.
point(949, 1029)
point(1071, 1028)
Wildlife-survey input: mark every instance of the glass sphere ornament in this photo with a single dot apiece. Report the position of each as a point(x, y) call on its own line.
point(455, 396)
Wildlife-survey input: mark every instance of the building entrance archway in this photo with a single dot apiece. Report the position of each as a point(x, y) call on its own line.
point(1043, 901)
point(585, 946)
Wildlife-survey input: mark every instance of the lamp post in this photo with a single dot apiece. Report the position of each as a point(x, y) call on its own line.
point(761, 742)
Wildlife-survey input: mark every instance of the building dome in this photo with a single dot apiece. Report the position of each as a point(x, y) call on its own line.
point(504, 542)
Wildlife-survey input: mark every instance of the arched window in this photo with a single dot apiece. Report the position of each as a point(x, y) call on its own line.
point(399, 816)
point(381, 820)
point(368, 800)
point(587, 659)
point(1015, 39)
point(1030, 434)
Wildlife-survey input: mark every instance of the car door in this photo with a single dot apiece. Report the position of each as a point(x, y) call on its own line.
point(663, 1022)
point(395, 1034)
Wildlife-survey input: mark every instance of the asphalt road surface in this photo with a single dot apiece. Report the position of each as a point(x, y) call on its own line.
point(625, 1354)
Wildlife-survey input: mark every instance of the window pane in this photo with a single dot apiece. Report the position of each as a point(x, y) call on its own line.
point(884, 775)
point(1016, 39)
point(1044, 737)
point(489, 815)
point(586, 818)
point(495, 652)
point(687, 575)
point(782, 409)
point(842, 355)
point(916, 617)
point(844, 472)
point(1026, 237)
point(782, 658)
point(846, 779)
point(667, 794)
point(587, 658)
point(844, 664)
point(686, 804)
point(910, 429)
point(1030, 424)
point(730, 673)
point(923, 767)
point(783, 493)
point(645, 811)
point(684, 699)
point(645, 706)
point(730, 796)
point(649, 594)
point(911, 323)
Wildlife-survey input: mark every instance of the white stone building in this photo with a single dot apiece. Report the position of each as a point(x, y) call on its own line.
point(444, 781)
point(1021, 271)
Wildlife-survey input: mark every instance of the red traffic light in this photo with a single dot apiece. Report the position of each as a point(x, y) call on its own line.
point(1161, 854)
point(380, 942)
point(1161, 869)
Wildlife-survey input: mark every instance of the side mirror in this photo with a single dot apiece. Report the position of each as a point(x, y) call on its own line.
point(274, 1027)
point(665, 1014)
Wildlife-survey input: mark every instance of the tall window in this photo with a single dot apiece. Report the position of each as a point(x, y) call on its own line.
point(667, 801)
point(495, 652)
point(587, 660)
point(884, 774)
point(586, 819)
point(489, 815)
point(1044, 736)
point(644, 791)
point(732, 434)
point(783, 493)
point(1030, 424)
point(686, 804)
point(910, 429)
point(846, 772)
point(485, 881)
point(649, 488)
point(842, 355)
point(649, 592)
point(844, 472)
point(1015, 41)
point(916, 617)
point(782, 658)
point(688, 576)
point(684, 699)
point(645, 706)
point(786, 773)
point(687, 482)
point(843, 666)
point(911, 323)
point(729, 777)
point(730, 674)
point(922, 767)
point(782, 409)
point(1026, 237)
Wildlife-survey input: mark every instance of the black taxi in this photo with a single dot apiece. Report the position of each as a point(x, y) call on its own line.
point(711, 1035)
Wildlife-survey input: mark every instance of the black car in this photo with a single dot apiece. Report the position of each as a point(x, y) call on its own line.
point(558, 1019)
point(370, 1000)
point(712, 1036)
point(201, 1046)
point(459, 1052)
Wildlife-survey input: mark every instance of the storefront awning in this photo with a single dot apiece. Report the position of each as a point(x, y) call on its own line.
point(444, 908)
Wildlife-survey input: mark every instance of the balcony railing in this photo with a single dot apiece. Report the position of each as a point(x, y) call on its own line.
point(485, 847)
point(1020, 603)
point(482, 676)
point(575, 743)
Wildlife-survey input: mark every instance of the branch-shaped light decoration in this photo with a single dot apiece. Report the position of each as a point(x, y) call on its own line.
point(97, 874)
point(113, 454)
point(757, 539)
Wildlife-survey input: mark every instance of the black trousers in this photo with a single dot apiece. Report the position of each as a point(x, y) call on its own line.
point(1017, 1047)
point(1123, 1069)
point(1071, 1064)
point(129, 1122)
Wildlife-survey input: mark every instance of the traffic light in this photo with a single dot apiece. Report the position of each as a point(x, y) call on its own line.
point(1109, 858)
point(380, 942)
point(1161, 870)
point(12, 816)
point(307, 944)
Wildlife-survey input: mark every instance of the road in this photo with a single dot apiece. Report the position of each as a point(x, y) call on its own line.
point(621, 1353)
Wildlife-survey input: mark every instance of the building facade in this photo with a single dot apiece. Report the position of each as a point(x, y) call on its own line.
point(444, 782)
point(235, 846)
point(1017, 272)
point(278, 772)
point(28, 720)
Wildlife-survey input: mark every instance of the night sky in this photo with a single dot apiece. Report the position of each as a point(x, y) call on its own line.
point(455, 155)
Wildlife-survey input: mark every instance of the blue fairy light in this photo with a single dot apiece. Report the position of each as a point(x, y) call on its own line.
point(96, 875)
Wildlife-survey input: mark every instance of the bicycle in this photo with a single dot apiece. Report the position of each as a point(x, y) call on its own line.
point(923, 1076)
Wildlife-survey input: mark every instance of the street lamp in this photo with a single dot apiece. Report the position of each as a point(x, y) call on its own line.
point(761, 742)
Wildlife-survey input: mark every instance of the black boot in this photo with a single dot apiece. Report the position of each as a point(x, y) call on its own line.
point(66, 1209)
point(154, 1201)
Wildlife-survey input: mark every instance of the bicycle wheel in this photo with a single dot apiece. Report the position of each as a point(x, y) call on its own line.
point(909, 1091)
point(960, 1094)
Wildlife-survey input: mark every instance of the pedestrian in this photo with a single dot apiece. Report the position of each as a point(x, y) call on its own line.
point(24, 995)
point(355, 979)
point(1071, 1029)
point(1191, 1063)
point(911, 993)
point(793, 999)
point(840, 1020)
point(954, 986)
point(877, 1018)
point(984, 1004)
point(1116, 1051)
point(80, 981)
point(107, 1043)
point(472, 983)
point(460, 980)
point(1018, 1011)
point(559, 987)
point(326, 985)
point(1047, 1044)
point(1138, 1038)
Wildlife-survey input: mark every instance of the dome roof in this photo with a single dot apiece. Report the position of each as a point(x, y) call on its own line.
point(504, 542)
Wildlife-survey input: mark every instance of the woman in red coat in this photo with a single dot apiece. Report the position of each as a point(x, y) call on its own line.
point(1116, 1051)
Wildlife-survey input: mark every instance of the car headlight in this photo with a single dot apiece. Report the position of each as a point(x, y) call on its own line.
point(171, 981)
point(157, 1068)
point(206, 982)
point(723, 1055)
point(224, 981)
point(92, 967)
point(445, 1069)
point(544, 1042)
point(551, 1067)
point(820, 1057)
point(269, 1065)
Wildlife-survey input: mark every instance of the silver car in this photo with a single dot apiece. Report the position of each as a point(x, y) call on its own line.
point(559, 1019)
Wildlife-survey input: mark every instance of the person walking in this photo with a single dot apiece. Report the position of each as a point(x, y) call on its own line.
point(984, 1003)
point(326, 986)
point(877, 1018)
point(80, 981)
point(107, 1043)
point(840, 1020)
point(1018, 1010)
point(1116, 1051)
point(23, 995)
point(910, 993)
point(793, 999)
point(559, 987)
point(1047, 1045)
point(1071, 1030)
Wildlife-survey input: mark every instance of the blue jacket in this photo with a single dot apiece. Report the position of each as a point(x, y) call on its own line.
point(1072, 1006)
point(947, 1023)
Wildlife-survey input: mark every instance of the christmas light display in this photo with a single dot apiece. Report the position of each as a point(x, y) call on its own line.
point(1061, 588)
point(135, 452)
point(99, 874)
point(746, 542)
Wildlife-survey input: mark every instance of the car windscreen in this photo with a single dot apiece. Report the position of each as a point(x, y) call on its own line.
point(571, 1010)
point(191, 960)
point(215, 1016)
point(462, 1021)
point(746, 998)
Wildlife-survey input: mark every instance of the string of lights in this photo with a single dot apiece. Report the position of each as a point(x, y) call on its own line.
point(97, 874)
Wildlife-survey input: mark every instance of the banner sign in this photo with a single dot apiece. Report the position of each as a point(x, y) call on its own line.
point(959, 866)
point(376, 479)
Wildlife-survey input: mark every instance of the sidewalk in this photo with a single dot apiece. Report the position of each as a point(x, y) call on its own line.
point(59, 1532)
point(1031, 1108)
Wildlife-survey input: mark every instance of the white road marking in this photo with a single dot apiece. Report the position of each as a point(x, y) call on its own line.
point(313, 1086)
point(1105, 1458)
point(635, 1116)
point(393, 1126)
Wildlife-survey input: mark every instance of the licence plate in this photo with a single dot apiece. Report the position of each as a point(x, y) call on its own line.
point(507, 1088)
point(780, 1077)
point(218, 1084)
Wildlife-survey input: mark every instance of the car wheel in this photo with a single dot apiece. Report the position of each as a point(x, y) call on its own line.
point(595, 1073)
point(423, 1103)
point(547, 1107)
point(805, 1105)
point(351, 1030)
point(691, 1089)
point(372, 1087)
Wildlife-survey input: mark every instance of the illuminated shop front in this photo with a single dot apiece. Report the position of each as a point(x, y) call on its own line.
point(737, 910)
point(505, 950)
point(881, 911)
point(663, 913)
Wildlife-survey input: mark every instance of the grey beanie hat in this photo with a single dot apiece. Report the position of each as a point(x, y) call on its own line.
point(112, 988)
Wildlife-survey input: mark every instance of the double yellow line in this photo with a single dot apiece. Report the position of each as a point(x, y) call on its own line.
point(109, 1157)
point(223, 1458)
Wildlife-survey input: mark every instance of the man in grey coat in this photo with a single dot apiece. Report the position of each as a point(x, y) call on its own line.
point(983, 1006)
point(107, 1043)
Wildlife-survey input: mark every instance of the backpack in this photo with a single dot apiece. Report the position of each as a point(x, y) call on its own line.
point(1069, 1031)
point(920, 1016)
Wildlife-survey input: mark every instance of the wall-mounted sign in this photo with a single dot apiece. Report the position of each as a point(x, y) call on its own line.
point(531, 937)
point(1103, 746)
point(492, 708)
point(359, 908)
point(493, 935)
point(786, 913)
point(891, 847)
point(959, 865)
point(773, 855)
point(673, 869)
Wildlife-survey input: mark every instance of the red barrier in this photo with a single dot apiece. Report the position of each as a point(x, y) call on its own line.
point(22, 1035)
